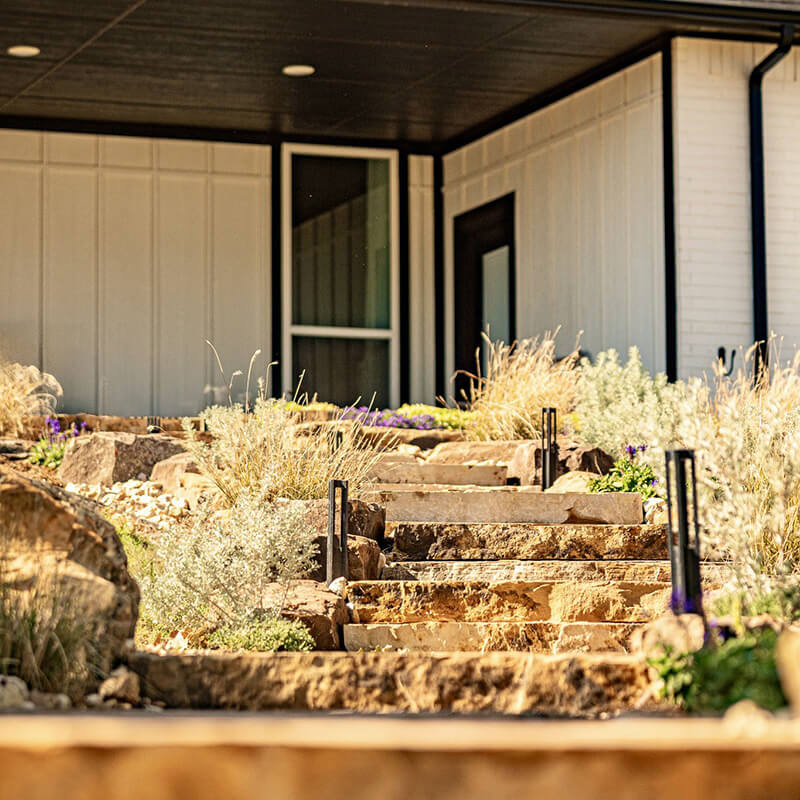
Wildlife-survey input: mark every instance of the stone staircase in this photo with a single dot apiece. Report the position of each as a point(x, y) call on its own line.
point(488, 568)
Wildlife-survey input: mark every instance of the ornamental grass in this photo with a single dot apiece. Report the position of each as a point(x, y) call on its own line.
point(506, 399)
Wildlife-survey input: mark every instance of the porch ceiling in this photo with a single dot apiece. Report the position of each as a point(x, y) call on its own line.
point(422, 72)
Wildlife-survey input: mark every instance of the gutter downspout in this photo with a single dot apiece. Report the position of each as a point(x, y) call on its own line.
point(758, 213)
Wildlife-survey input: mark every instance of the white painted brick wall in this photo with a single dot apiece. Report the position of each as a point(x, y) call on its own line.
point(712, 182)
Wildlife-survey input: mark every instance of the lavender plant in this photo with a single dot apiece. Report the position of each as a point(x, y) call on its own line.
point(49, 450)
point(389, 418)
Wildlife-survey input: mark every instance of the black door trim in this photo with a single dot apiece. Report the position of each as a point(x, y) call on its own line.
point(475, 232)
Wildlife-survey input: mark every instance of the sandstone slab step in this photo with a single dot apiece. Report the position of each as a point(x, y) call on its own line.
point(506, 504)
point(519, 601)
point(509, 683)
point(552, 638)
point(440, 474)
point(442, 541)
point(642, 571)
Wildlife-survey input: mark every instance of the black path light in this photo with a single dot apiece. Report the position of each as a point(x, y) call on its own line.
point(153, 425)
point(549, 447)
point(336, 565)
point(683, 533)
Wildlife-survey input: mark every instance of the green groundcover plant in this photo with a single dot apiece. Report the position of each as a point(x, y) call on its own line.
point(724, 672)
point(628, 475)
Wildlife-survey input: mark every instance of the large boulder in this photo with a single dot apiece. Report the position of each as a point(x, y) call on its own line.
point(321, 610)
point(572, 482)
point(111, 457)
point(366, 523)
point(526, 463)
point(54, 541)
point(523, 457)
point(170, 471)
point(364, 559)
point(493, 453)
point(363, 519)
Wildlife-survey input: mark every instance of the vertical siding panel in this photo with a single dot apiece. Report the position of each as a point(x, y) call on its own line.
point(20, 259)
point(127, 292)
point(533, 318)
point(70, 265)
point(641, 192)
point(563, 254)
point(590, 312)
point(181, 351)
point(614, 295)
point(239, 282)
point(422, 358)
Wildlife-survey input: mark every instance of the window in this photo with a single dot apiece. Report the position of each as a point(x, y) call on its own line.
point(340, 274)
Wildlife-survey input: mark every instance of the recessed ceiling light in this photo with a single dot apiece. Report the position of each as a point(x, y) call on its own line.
point(23, 51)
point(298, 70)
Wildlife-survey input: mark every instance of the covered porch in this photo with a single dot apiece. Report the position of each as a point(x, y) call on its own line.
point(355, 188)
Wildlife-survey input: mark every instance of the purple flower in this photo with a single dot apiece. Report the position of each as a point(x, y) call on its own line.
point(631, 450)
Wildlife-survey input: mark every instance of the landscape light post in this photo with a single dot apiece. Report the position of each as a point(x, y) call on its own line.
point(336, 562)
point(683, 532)
point(549, 447)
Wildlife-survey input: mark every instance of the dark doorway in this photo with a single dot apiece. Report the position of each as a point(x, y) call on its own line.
point(484, 282)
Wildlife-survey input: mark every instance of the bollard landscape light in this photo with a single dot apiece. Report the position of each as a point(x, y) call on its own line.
point(549, 447)
point(154, 424)
point(336, 563)
point(683, 534)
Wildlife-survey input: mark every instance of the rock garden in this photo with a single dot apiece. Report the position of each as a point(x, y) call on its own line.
point(183, 564)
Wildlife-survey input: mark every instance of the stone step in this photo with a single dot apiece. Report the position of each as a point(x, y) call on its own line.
point(515, 683)
point(458, 541)
point(439, 474)
point(642, 571)
point(551, 638)
point(481, 601)
point(504, 504)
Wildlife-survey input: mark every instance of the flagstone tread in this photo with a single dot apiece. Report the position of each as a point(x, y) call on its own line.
point(551, 638)
point(515, 601)
point(637, 571)
point(503, 504)
point(439, 474)
point(509, 683)
point(459, 541)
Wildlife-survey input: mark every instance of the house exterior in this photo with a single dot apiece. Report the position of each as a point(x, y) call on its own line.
point(448, 166)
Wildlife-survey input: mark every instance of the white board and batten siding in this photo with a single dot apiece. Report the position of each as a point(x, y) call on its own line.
point(421, 280)
point(587, 174)
point(120, 256)
point(712, 190)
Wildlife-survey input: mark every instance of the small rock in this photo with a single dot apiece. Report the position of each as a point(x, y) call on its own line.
point(572, 482)
point(747, 718)
point(93, 700)
point(655, 511)
point(13, 692)
point(50, 701)
point(121, 685)
point(339, 586)
point(681, 634)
